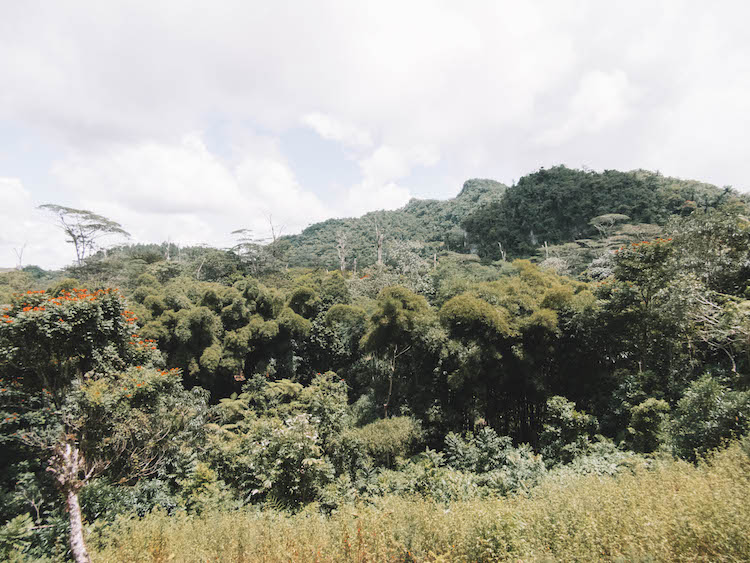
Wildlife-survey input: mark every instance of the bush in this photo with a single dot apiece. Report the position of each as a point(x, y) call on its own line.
point(500, 467)
point(708, 415)
point(15, 537)
point(388, 439)
point(269, 458)
point(646, 424)
point(566, 431)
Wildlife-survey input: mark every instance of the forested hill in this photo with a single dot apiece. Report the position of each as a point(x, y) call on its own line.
point(560, 205)
point(435, 224)
point(556, 206)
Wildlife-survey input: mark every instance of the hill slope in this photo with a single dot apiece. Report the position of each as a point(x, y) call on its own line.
point(434, 223)
point(554, 205)
point(557, 205)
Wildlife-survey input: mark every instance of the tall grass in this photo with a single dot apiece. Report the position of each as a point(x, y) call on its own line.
point(674, 511)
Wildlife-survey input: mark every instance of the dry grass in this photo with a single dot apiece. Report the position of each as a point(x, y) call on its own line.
point(673, 512)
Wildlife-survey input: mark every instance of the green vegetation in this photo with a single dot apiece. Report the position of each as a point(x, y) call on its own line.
point(434, 225)
point(670, 512)
point(269, 402)
point(561, 205)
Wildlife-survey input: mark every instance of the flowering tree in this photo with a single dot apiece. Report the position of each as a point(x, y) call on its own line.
point(81, 389)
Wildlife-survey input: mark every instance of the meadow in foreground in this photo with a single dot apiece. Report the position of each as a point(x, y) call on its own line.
point(673, 511)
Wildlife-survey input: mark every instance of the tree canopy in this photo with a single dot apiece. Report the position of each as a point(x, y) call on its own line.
point(83, 228)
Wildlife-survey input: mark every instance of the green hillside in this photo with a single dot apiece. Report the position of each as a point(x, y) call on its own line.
point(435, 224)
point(565, 208)
point(557, 205)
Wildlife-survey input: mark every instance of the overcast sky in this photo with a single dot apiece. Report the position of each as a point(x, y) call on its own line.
point(187, 120)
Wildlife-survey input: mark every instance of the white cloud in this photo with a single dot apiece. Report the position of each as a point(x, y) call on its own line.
point(367, 196)
point(185, 193)
point(380, 171)
point(272, 192)
point(152, 177)
point(334, 129)
point(603, 100)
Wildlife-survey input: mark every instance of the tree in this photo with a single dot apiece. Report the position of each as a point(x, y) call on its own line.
point(566, 431)
point(708, 415)
point(400, 325)
point(646, 421)
point(379, 237)
point(559, 205)
point(83, 228)
point(342, 249)
point(260, 254)
point(83, 391)
point(606, 223)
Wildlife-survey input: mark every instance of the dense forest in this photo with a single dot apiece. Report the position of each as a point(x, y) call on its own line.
point(557, 370)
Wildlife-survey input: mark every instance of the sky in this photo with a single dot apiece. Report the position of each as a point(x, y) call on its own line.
point(185, 120)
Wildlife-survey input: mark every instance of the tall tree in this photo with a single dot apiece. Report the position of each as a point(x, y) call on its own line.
point(83, 228)
point(402, 330)
point(342, 249)
point(379, 236)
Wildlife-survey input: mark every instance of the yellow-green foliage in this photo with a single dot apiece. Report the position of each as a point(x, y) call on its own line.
point(389, 438)
point(467, 315)
point(12, 282)
point(673, 512)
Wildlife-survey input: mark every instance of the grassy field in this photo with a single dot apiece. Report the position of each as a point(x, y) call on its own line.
point(673, 511)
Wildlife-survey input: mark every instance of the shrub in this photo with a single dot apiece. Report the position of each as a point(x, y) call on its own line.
point(646, 424)
point(500, 466)
point(708, 415)
point(388, 439)
point(566, 431)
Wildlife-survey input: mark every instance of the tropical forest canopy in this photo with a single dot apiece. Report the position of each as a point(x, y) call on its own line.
point(492, 345)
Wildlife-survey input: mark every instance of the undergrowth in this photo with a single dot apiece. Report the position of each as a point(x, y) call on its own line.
point(671, 511)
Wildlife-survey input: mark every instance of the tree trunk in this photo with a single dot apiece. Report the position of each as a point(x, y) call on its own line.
point(379, 236)
point(77, 545)
point(69, 467)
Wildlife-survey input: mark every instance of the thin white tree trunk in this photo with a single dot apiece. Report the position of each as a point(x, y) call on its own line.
point(77, 544)
point(69, 468)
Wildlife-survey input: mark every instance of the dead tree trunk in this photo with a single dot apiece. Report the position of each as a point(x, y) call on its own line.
point(19, 256)
point(341, 248)
point(502, 252)
point(391, 375)
point(379, 235)
point(198, 273)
